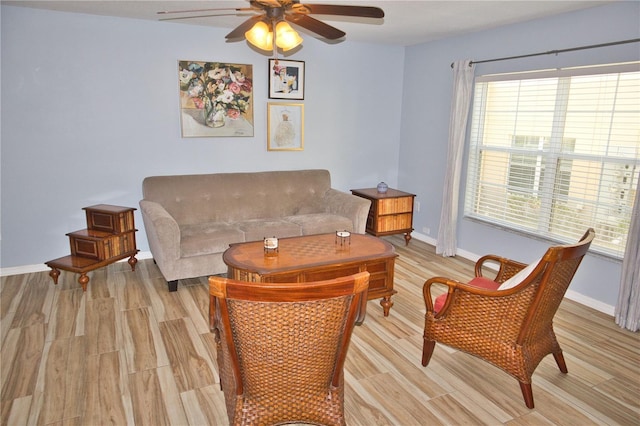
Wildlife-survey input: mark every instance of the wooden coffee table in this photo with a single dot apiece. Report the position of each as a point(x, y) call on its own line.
point(317, 258)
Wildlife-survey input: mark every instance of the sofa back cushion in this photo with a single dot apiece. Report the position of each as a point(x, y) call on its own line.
point(233, 197)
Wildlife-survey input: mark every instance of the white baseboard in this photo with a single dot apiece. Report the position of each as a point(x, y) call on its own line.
point(571, 295)
point(592, 303)
point(27, 269)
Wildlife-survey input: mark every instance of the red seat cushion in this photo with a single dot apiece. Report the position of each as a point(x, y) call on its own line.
point(480, 282)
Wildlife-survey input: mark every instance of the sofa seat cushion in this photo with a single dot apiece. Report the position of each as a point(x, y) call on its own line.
point(208, 238)
point(321, 223)
point(258, 229)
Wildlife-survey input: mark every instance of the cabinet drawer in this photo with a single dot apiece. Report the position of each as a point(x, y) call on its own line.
point(394, 222)
point(101, 245)
point(331, 273)
point(395, 205)
point(377, 282)
point(91, 248)
point(112, 219)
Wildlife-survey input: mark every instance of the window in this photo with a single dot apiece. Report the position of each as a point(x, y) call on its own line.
point(553, 153)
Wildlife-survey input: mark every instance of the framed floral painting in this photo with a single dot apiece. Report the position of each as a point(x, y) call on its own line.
point(216, 99)
point(286, 79)
point(285, 127)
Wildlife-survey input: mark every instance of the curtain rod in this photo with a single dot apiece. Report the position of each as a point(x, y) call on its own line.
point(555, 52)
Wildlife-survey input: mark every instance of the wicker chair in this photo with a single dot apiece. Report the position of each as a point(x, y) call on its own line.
point(281, 347)
point(513, 328)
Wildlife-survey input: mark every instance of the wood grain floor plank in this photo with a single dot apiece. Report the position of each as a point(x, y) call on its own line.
point(129, 352)
point(105, 390)
point(20, 379)
point(622, 392)
point(195, 299)
point(205, 406)
point(66, 314)
point(101, 326)
point(406, 408)
point(16, 411)
point(209, 342)
point(11, 289)
point(144, 348)
point(358, 398)
point(30, 309)
point(100, 287)
point(166, 305)
point(148, 403)
point(360, 411)
point(175, 411)
point(190, 364)
point(61, 381)
point(452, 410)
point(132, 294)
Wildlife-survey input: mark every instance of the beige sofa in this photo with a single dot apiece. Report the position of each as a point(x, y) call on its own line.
point(190, 220)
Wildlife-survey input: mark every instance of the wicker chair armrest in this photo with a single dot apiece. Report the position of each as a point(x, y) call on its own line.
point(485, 312)
point(426, 289)
point(457, 289)
point(506, 267)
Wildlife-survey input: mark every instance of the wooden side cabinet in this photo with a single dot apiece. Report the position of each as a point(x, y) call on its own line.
point(110, 236)
point(391, 212)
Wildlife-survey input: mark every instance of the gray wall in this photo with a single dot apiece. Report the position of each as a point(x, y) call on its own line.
point(425, 120)
point(90, 107)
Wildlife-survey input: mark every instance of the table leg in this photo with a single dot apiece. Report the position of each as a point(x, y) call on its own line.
point(386, 304)
point(407, 238)
point(132, 262)
point(54, 274)
point(83, 280)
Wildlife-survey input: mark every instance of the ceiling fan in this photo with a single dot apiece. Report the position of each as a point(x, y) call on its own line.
point(272, 13)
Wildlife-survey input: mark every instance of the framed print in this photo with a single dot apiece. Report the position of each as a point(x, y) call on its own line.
point(286, 79)
point(285, 127)
point(216, 99)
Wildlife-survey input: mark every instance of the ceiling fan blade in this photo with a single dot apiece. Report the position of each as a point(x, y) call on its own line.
point(221, 9)
point(239, 31)
point(333, 9)
point(177, 18)
point(318, 27)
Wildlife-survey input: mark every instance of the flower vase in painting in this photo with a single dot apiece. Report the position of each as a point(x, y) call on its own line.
point(216, 95)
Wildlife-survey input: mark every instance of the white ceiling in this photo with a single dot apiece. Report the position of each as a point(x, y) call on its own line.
point(405, 22)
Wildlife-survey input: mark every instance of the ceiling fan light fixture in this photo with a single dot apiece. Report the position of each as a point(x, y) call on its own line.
point(260, 36)
point(286, 37)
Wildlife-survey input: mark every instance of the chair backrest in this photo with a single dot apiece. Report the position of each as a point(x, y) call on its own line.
point(284, 343)
point(551, 279)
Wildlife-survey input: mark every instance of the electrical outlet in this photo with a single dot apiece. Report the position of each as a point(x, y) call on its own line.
point(417, 206)
point(426, 231)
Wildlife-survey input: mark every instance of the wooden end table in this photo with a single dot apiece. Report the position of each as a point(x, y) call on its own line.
point(390, 213)
point(316, 258)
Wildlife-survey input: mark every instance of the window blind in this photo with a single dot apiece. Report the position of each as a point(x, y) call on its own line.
point(555, 152)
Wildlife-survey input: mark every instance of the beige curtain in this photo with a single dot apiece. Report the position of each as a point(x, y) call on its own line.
point(627, 310)
point(462, 92)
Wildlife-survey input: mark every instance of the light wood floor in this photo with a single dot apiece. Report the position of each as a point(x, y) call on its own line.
point(129, 352)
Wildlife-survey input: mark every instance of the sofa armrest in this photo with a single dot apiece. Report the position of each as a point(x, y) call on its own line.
point(163, 232)
point(348, 205)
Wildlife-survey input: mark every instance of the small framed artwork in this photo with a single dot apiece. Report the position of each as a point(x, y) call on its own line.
point(216, 99)
point(286, 79)
point(285, 127)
